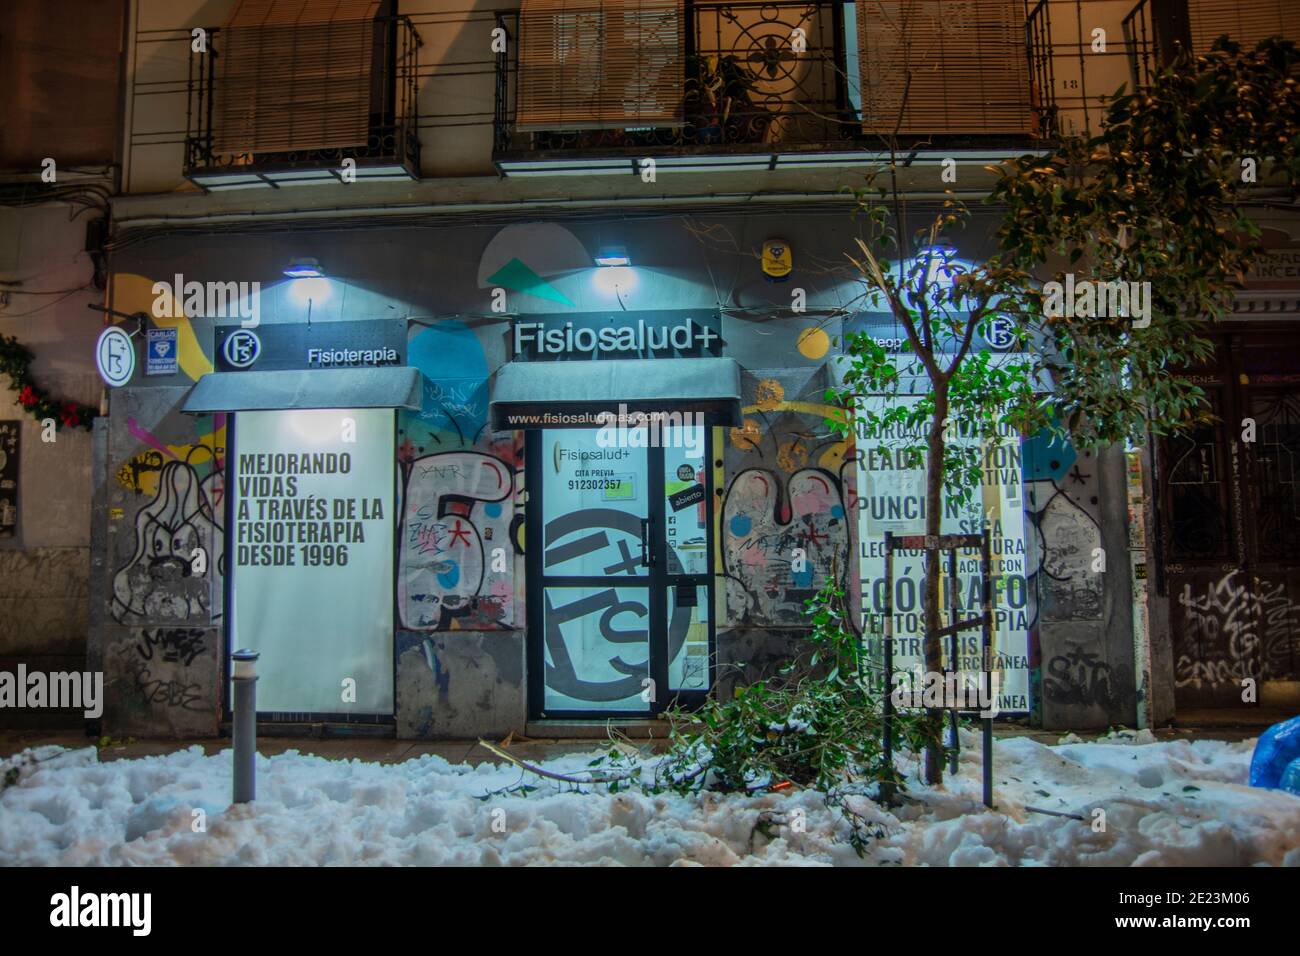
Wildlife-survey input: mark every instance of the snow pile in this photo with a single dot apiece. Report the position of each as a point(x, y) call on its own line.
point(26, 763)
point(1175, 803)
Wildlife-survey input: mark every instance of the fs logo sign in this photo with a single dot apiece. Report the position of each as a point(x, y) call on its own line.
point(115, 357)
point(241, 348)
point(1001, 333)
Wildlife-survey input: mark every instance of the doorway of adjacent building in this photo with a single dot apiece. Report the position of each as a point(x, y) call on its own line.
point(1230, 510)
point(620, 571)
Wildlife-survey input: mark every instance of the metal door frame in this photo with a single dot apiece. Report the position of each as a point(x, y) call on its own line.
point(657, 581)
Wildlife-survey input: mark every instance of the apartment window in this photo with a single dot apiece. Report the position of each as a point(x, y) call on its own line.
point(296, 75)
point(1247, 23)
point(600, 64)
point(967, 62)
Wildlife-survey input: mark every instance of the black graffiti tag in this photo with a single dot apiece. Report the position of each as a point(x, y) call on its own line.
point(176, 644)
point(1080, 677)
point(173, 693)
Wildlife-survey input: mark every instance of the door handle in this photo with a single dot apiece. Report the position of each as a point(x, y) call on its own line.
point(647, 559)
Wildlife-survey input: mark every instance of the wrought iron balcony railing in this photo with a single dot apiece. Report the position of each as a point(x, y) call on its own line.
point(770, 84)
point(1042, 74)
point(287, 104)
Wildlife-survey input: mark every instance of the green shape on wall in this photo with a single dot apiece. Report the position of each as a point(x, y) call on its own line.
point(517, 277)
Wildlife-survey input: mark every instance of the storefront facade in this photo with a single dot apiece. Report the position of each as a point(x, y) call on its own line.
point(396, 484)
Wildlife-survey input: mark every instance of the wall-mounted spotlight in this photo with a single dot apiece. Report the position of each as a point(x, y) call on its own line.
point(613, 256)
point(304, 269)
point(310, 285)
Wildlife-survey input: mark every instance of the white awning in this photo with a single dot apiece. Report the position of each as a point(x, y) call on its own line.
point(525, 392)
point(396, 386)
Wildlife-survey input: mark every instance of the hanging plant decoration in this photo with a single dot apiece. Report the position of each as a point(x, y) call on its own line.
point(15, 362)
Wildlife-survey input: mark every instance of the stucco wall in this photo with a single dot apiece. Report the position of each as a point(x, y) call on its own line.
point(44, 569)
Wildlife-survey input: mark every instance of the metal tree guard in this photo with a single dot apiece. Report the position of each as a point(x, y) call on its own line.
point(932, 545)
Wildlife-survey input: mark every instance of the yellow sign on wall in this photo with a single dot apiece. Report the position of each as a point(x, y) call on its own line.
point(777, 260)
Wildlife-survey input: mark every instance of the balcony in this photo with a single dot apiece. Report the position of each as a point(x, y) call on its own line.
point(1155, 30)
point(589, 87)
point(272, 105)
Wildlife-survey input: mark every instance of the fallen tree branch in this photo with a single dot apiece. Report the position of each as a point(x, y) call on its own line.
point(552, 775)
point(1056, 813)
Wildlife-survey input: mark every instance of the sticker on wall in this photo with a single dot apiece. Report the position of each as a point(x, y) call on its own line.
point(9, 434)
point(777, 260)
point(115, 357)
point(684, 499)
point(161, 347)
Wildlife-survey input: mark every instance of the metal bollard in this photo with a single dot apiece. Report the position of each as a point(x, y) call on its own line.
point(244, 705)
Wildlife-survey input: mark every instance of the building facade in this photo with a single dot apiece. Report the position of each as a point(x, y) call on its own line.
point(60, 147)
point(402, 256)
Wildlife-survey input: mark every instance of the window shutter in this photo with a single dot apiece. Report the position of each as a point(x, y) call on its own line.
point(294, 75)
point(969, 68)
point(1245, 22)
point(600, 64)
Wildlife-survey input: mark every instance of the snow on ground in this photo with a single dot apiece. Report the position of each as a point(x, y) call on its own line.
point(1177, 803)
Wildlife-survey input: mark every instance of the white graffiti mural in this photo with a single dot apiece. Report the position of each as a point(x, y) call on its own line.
point(173, 568)
point(1230, 631)
point(456, 551)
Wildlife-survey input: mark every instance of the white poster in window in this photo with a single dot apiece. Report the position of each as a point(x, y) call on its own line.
point(312, 545)
point(891, 488)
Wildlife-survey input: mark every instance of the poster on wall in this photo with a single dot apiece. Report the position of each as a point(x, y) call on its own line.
point(312, 552)
point(891, 488)
point(10, 431)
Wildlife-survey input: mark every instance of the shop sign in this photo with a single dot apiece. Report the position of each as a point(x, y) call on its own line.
point(678, 333)
point(1278, 266)
point(319, 345)
point(997, 335)
point(115, 357)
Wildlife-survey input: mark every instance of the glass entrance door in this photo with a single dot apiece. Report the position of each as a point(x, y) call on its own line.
point(619, 584)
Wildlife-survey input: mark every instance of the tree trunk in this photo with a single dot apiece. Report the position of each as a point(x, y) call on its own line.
point(933, 645)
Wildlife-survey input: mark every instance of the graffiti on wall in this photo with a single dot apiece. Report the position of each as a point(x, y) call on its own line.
point(782, 538)
point(171, 645)
point(784, 525)
point(456, 551)
point(462, 513)
point(174, 564)
point(173, 492)
point(161, 674)
point(1079, 677)
point(1227, 630)
point(1069, 590)
point(140, 472)
point(1063, 531)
